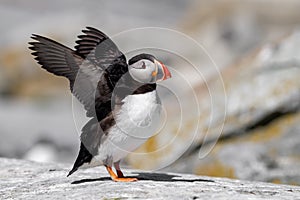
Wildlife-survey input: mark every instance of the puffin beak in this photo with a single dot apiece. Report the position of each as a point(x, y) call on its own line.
point(162, 72)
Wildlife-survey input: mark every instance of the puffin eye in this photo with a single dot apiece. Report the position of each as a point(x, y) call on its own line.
point(143, 65)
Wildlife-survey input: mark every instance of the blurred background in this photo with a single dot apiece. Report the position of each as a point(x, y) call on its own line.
point(255, 45)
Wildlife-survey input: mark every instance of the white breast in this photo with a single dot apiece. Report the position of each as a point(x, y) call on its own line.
point(137, 121)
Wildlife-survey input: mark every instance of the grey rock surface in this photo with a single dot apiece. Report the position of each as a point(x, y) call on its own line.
point(30, 180)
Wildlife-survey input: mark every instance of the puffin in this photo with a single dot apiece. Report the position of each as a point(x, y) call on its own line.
point(119, 97)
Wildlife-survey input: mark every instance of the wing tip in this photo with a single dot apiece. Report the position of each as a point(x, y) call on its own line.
point(37, 40)
point(32, 47)
point(31, 43)
point(90, 29)
point(36, 36)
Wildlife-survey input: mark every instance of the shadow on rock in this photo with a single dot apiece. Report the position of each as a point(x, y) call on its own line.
point(143, 176)
point(91, 180)
point(165, 177)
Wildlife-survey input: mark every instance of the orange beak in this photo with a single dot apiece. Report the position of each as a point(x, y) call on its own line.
point(167, 73)
point(162, 72)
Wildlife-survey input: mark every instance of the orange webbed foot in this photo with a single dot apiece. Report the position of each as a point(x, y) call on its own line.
point(123, 179)
point(120, 177)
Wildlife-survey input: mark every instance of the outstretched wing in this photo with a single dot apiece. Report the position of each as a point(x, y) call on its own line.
point(100, 50)
point(95, 46)
point(55, 58)
point(63, 61)
point(93, 68)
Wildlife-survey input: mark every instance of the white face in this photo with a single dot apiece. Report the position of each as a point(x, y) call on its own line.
point(143, 71)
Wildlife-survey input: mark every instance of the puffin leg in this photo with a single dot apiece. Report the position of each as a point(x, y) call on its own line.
point(114, 177)
point(119, 172)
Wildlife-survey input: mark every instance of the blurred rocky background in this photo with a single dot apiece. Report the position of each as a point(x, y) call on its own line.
point(250, 131)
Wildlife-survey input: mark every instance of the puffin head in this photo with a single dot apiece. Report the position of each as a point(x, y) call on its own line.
point(145, 68)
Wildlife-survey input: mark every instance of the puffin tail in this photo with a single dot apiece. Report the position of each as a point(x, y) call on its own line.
point(72, 171)
point(84, 156)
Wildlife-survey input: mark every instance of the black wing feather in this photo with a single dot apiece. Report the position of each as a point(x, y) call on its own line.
point(97, 47)
point(63, 61)
point(54, 57)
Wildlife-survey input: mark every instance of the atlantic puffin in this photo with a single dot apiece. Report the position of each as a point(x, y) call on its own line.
point(120, 98)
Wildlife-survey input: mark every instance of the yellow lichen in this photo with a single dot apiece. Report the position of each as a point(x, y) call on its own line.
point(151, 144)
point(216, 169)
point(276, 181)
point(275, 129)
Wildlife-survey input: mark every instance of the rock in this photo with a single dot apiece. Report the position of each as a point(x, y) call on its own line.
point(30, 180)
